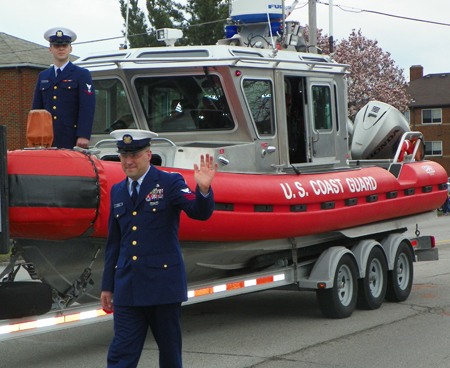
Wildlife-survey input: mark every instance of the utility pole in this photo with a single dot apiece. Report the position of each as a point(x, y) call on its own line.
point(312, 26)
point(330, 40)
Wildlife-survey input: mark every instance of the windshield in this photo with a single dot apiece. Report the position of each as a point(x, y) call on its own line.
point(112, 109)
point(184, 103)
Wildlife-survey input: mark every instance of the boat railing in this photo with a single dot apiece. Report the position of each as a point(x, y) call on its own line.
point(113, 142)
point(234, 60)
point(394, 165)
point(415, 138)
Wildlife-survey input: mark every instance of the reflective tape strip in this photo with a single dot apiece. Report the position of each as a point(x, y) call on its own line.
point(235, 286)
point(52, 321)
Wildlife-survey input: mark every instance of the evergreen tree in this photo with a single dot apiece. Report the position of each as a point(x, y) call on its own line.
point(164, 14)
point(137, 26)
point(207, 21)
point(202, 21)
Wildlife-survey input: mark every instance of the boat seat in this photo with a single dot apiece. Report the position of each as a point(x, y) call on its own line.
point(39, 129)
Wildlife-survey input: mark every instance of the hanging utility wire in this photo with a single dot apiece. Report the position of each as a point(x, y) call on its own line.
point(356, 10)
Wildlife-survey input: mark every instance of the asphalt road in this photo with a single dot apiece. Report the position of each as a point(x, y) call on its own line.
point(280, 329)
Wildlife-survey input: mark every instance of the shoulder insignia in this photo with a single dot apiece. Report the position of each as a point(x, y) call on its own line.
point(89, 90)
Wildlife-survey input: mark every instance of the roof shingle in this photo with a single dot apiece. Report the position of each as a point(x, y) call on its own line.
point(431, 90)
point(16, 52)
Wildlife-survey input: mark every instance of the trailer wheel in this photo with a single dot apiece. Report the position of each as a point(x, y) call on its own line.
point(340, 300)
point(400, 279)
point(372, 288)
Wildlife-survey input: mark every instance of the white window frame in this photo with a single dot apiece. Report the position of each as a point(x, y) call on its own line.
point(433, 146)
point(435, 114)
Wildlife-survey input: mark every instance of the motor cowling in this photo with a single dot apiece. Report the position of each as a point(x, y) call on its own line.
point(377, 131)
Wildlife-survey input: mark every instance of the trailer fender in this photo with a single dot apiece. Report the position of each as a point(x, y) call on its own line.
point(361, 252)
point(324, 268)
point(390, 246)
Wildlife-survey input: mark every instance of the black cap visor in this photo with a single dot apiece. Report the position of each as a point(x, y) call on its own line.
point(132, 149)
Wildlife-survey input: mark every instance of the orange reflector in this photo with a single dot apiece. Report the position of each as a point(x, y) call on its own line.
point(235, 285)
point(51, 321)
point(264, 280)
point(73, 317)
point(321, 285)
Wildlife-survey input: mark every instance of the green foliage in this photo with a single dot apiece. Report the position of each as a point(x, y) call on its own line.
point(137, 27)
point(202, 21)
point(210, 15)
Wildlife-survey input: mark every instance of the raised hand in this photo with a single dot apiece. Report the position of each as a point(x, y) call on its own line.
point(205, 174)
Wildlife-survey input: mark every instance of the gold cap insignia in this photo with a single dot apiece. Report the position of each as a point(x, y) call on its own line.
point(127, 139)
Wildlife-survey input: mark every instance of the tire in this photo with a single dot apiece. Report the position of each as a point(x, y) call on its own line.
point(340, 300)
point(372, 288)
point(400, 279)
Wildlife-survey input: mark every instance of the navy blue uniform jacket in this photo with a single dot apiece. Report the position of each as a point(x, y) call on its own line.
point(70, 99)
point(143, 261)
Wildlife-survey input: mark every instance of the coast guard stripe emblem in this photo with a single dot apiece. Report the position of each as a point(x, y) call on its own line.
point(188, 194)
point(89, 91)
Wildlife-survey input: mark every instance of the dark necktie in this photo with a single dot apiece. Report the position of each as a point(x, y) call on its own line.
point(58, 71)
point(134, 194)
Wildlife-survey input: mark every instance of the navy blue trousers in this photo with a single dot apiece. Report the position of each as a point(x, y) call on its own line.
point(131, 325)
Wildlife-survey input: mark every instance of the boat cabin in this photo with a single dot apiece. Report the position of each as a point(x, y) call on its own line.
point(256, 110)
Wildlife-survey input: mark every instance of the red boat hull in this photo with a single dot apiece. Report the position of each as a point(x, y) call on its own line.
point(62, 194)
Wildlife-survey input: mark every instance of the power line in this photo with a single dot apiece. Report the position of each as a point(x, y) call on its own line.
point(356, 10)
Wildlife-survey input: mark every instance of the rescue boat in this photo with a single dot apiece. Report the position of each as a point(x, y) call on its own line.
point(68, 197)
point(293, 174)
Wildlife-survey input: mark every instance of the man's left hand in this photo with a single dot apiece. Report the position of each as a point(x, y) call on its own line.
point(205, 174)
point(82, 142)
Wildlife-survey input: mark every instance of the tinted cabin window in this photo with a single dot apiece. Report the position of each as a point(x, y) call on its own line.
point(184, 103)
point(322, 107)
point(259, 99)
point(112, 109)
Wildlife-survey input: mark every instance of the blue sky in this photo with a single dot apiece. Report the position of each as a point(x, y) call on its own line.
point(409, 42)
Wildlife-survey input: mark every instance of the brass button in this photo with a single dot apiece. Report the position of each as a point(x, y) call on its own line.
point(117, 215)
point(54, 107)
point(55, 87)
point(134, 213)
point(134, 258)
point(154, 209)
point(134, 228)
point(134, 242)
point(68, 87)
point(165, 266)
point(116, 266)
point(54, 118)
point(54, 97)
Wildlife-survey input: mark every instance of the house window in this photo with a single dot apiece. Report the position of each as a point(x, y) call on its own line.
point(433, 148)
point(408, 116)
point(432, 116)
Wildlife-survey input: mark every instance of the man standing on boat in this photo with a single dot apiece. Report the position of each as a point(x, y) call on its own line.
point(66, 91)
point(144, 268)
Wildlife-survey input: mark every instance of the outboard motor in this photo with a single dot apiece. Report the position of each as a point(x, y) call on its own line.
point(377, 130)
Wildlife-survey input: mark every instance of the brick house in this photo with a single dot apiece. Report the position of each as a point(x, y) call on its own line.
point(20, 63)
point(429, 112)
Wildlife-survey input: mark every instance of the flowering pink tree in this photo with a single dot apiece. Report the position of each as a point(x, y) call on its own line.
point(373, 73)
